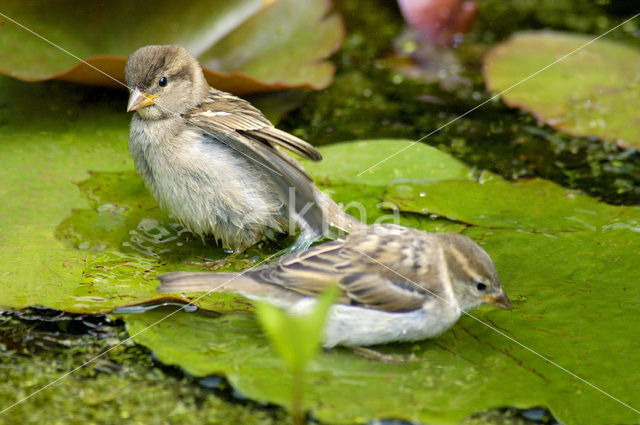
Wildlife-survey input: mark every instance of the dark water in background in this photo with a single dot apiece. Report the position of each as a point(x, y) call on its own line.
point(369, 99)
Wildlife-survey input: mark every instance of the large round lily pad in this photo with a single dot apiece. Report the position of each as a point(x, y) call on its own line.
point(574, 285)
point(245, 46)
point(594, 91)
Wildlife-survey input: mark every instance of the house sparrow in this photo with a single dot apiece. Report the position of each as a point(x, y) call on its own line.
point(214, 161)
point(397, 284)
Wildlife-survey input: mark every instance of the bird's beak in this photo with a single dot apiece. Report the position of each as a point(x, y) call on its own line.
point(139, 99)
point(498, 300)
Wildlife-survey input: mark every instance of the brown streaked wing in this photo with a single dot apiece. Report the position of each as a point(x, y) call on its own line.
point(381, 293)
point(363, 281)
point(288, 141)
point(283, 172)
point(309, 272)
point(230, 114)
point(230, 111)
point(400, 268)
point(223, 116)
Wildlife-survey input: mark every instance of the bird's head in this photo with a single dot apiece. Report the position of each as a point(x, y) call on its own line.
point(473, 275)
point(164, 81)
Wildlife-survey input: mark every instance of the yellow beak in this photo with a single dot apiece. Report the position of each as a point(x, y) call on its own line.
point(499, 300)
point(139, 99)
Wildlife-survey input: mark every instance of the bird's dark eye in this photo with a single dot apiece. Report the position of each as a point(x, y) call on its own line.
point(162, 81)
point(481, 286)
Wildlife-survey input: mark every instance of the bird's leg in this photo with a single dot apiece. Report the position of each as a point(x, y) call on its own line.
point(371, 354)
point(302, 242)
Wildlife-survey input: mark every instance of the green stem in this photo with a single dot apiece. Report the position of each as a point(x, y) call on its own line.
point(296, 400)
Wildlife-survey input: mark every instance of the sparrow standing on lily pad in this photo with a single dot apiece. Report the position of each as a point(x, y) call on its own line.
point(214, 161)
point(397, 283)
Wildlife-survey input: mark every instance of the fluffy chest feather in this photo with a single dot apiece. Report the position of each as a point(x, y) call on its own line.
point(206, 185)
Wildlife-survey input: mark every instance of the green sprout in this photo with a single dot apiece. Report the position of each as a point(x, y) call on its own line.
point(296, 339)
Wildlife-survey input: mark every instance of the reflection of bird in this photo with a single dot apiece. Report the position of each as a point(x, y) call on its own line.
point(214, 161)
point(397, 284)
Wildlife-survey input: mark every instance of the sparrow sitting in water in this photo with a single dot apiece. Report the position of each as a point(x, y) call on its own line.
point(214, 161)
point(397, 284)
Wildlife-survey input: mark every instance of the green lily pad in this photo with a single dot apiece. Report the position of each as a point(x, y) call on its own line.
point(362, 195)
point(79, 232)
point(571, 259)
point(575, 289)
point(594, 91)
point(531, 205)
point(376, 163)
point(287, 42)
point(71, 238)
point(245, 46)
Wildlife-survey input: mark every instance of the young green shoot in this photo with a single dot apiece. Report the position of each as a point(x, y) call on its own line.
point(296, 340)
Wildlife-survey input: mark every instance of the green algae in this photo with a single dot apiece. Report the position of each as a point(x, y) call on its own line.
point(122, 386)
point(39, 346)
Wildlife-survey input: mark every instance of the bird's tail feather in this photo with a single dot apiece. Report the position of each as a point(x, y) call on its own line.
point(204, 282)
point(239, 283)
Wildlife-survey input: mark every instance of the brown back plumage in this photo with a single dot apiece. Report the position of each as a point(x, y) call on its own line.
point(385, 268)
